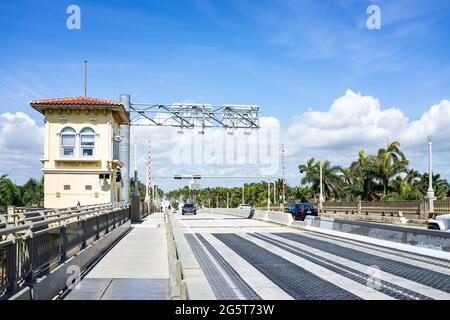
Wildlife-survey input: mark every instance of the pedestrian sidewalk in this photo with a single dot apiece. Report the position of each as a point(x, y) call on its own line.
point(136, 268)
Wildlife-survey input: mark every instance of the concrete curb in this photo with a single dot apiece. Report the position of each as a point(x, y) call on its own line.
point(187, 276)
point(175, 273)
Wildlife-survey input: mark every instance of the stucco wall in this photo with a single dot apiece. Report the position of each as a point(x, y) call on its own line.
point(78, 171)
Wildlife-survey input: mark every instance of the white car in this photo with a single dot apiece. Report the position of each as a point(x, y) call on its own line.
point(244, 206)
point(441, 222)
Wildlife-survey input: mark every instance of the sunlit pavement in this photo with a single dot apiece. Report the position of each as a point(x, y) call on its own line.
point(250, 259)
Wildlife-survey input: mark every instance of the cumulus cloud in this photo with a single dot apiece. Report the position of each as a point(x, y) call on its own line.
point(355, 121)
point(20, 146)
point(218, 152)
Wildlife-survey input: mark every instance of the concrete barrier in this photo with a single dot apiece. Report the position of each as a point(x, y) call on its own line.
point(417, 237)
point(193, 282)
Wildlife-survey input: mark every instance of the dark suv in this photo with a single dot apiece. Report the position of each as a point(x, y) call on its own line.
point(299, 211)
point(188, 208)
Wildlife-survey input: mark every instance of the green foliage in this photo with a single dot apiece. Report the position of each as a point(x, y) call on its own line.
point(255, 195)
point(142, 188)
point(384, 176)
point(31, 193)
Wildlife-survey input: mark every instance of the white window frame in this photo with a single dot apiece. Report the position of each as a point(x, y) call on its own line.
point(63, 147)
point(91, 132)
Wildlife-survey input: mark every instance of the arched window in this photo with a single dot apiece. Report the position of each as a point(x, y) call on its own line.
point(87, 142)
point(68, 137)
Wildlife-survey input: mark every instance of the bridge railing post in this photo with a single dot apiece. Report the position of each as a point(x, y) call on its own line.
point(64, 240)
point(97, 228)
point(83, 226)
point(29, 244)
point(11, 266)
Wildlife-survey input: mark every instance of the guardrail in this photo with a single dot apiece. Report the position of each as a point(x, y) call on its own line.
point(417, 237)
point(34, 244)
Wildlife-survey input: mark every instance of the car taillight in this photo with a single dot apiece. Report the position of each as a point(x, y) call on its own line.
point(301, 211)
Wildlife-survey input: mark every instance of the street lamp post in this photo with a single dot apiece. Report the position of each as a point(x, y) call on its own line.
point(430, 192)
point(321, 198)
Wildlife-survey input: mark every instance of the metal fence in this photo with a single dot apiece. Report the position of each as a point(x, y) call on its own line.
point(31, 246)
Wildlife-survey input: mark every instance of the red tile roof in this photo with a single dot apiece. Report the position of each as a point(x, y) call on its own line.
point(75, 101)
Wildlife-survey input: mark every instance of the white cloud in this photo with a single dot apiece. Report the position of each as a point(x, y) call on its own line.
point(353, 121)
point(215, 153)
point(356, 121)
point(20, 146)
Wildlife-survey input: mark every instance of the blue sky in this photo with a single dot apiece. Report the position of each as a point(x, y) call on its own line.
point(290, 57)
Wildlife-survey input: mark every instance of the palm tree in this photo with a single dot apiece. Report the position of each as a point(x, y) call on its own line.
point(363, 175)
point(389, 162)
point(440, 186)
point(331, 178)
point(405, 189)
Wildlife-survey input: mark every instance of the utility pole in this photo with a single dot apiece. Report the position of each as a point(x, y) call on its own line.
point(268, 195)
point(243, 193)
point(135, 153)
point(136, 202)
point(124, 151)
point(148, 186)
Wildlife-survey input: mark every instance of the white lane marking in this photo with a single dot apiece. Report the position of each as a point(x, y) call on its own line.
point(230, 283)
point(339, 266)
point(351, 286)
point(399, 281)
point(389, 255)
point(263, 286)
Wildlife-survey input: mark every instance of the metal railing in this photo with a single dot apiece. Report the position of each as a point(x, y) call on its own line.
point(33, 244)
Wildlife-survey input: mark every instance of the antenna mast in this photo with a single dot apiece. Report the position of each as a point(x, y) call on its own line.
point(85, 77)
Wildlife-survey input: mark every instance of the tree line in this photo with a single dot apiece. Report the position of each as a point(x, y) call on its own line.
point(31, 193)
point(28, 194)
point(383, 176)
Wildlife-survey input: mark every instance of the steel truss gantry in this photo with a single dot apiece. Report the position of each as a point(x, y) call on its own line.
point(190, 115)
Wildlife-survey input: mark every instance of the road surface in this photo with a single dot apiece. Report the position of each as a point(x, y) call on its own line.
point(250, 259)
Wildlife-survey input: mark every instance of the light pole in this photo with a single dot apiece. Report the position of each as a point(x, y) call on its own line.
point(430, 192)
point(321, 198)
point(243, 193)
point(268, 195)
point(227, 201)
point(274, 192)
